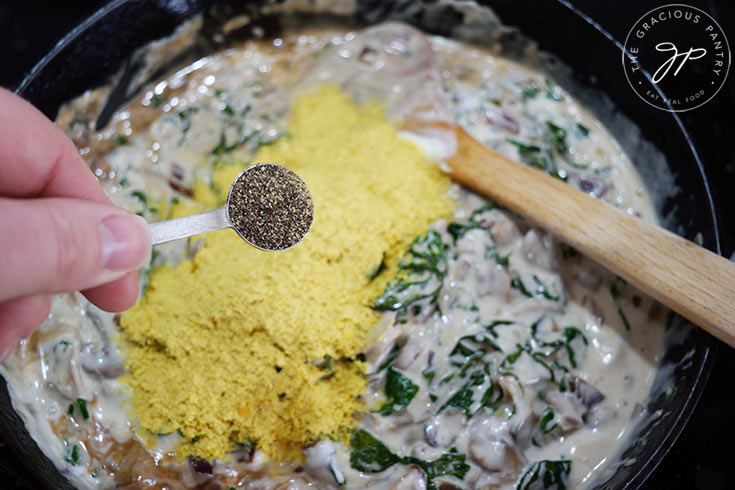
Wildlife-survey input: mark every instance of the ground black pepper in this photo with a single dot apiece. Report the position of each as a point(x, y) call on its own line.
point(270, 207)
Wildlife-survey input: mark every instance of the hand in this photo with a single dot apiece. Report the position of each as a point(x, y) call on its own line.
point(58, 230)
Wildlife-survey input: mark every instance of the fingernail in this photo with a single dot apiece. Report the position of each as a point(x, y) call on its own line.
point(125, 242)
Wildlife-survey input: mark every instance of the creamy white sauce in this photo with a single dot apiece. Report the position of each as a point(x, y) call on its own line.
point(168, 136)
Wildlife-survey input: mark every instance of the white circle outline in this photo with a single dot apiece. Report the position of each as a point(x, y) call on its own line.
point(625, 49)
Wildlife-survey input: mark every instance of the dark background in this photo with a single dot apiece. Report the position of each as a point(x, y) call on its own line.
point(702, 457)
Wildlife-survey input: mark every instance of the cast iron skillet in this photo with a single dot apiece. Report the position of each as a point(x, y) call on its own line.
point(105, 43)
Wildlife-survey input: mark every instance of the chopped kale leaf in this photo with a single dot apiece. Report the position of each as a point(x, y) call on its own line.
point(546, 417)
point(378, 270)
point(72, 455)
point(421, 268)
point(558, 137)
point(369, 454)
point(82, 404)
point(535, 156)
point(546, 475)
point(399, 391)
point(372, 456)
point(583, 130)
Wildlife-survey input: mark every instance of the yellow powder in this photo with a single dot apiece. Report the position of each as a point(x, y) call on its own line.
point(222, 347)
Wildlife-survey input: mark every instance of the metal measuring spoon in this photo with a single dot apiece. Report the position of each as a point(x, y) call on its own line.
point(268, 205)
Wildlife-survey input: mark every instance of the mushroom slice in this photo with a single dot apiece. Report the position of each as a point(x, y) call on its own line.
point(492, 447)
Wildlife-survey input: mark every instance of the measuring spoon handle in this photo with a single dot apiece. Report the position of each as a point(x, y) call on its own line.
point(173, 229)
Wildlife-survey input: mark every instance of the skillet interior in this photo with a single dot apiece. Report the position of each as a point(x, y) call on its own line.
point(92, 53)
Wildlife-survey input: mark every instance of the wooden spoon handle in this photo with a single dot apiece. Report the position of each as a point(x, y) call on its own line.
point(694, 282)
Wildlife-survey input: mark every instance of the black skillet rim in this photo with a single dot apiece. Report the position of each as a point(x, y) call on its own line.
point(708, 357)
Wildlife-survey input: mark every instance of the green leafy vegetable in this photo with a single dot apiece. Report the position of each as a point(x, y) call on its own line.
point(146, 279)
point(185, 120)
point(72, 455)
point(535, 156)
point(547, 416)
point(378, 270)
point(224, 147)
point(671, 392)
point(247, 446)
point(501, 260)
point(339, 477)
point(328, 364)
point(571, 333)
point(553, 92)
point(543, 352)
point(623, 317)
point(423, 266)
point(510, 359)
point(121, 139)
point(481, 338)
point(82, 404)
point(369, 454)
point(450, 463)
point(558, 137)
point(478, 389)
point(140, 195)
point(616, 292)
point(529, 89)
point(543, 290)
point(457, 229)
point(63, 345)
point(464, 398)
point(272, 118)
point(429, 374)
point(461, 400)
point(617, 286)
point(372, 456)
point(524, 148)
point(544, 155)
point(392, 355)
point(583, 130)
point(546, 475)
point(497, 323)
point(399, 391)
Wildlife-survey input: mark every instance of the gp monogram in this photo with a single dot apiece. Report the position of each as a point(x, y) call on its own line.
point(676, 57)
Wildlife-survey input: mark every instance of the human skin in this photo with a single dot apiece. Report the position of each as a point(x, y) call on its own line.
point(58, 230)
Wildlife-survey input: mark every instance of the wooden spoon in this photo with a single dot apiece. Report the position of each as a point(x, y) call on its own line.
point(394, 63)
point(689, 279)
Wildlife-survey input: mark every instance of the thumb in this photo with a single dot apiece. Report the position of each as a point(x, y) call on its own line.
point(57, 245)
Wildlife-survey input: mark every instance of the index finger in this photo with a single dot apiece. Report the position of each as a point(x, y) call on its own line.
point(37, 158)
